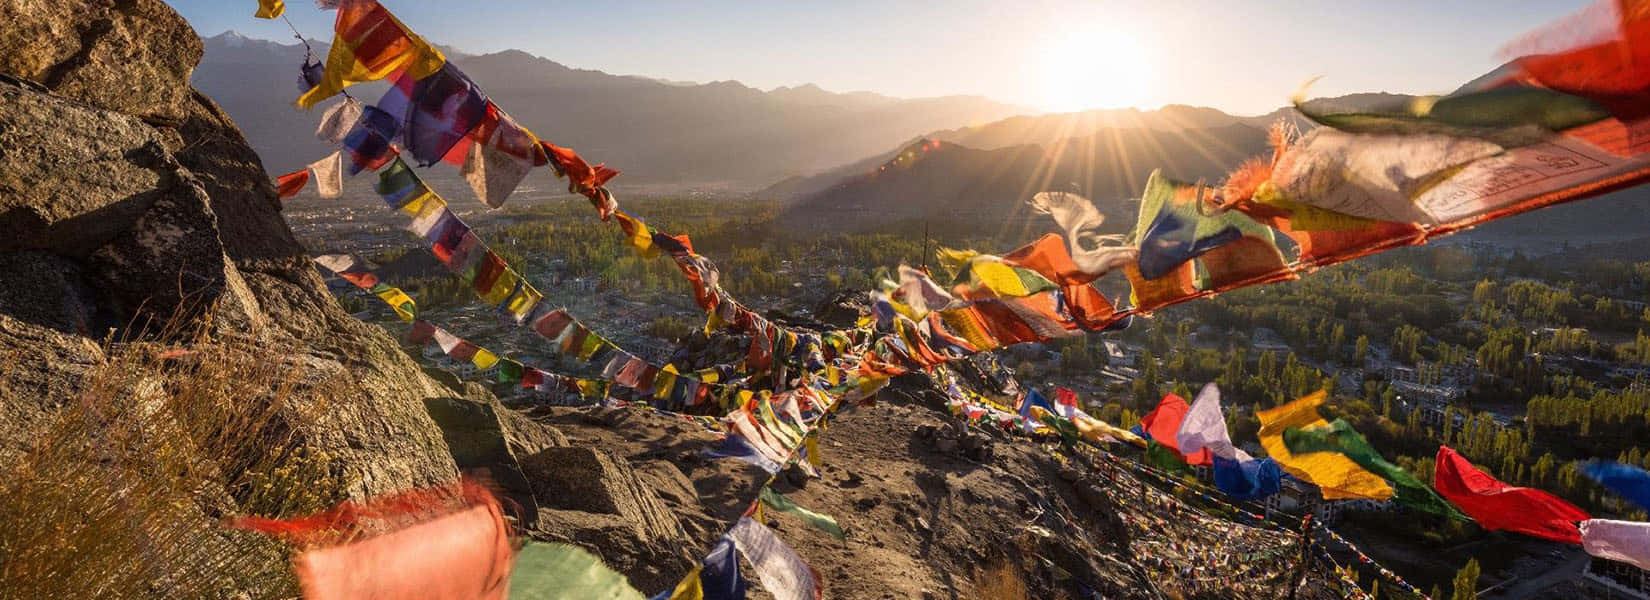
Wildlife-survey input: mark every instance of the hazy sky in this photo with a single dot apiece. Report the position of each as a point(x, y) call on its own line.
point(1245, 57)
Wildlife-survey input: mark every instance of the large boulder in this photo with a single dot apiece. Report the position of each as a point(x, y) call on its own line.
point(134, 209)
point(589, 497)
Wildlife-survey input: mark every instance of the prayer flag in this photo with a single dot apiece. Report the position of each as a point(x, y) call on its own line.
point(1340, 437)
point(1150, 294)
point(1068, 431)
point(1203, 427)
point(716, 578)
point(1163, 423)
point(494, 169)
point(1173, 229)
point(551, 325)
point(821, 522)
point(370, 44)
point(1611, 69)
point(990, 273)
point(1247, 479)
point(369, 140)
point(399, 186)
point(1496, 505)
point(1086, 254)
point(438, 110)
point(1377, 177)
point(435, 543)
point(636, 234)
point(338, 120)
point(1622, 541)
point(781, 570)
point(1165, 458)
point(1335, 474)
point(398, 301)
point(421, 333)
point(329, 175)
point(288, 185)
point(1627, 481)
point(270, 9)
point(1509, 116)
point(558, 570)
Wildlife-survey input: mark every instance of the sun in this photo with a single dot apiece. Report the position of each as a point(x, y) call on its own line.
point(1100, 69)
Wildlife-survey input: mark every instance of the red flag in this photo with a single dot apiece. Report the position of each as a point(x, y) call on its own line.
point(442, 543)
point(290, 184)
point(1065, 397)
point(1163, 423)
point(1496, 505)
point(1613, 71)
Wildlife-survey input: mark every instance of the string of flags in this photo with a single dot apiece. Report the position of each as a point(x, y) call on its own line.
point(1566, 125)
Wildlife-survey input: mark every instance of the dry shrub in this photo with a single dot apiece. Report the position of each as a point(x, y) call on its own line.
point(1000, 581)
point(124, 493)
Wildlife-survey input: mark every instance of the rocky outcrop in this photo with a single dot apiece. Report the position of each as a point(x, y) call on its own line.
point(589, 497)
point(134, 208)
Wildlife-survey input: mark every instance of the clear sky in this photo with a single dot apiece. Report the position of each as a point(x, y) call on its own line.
point(1243, 57)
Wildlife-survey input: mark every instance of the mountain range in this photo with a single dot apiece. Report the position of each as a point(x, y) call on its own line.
point(841, 161)
point(719, 134)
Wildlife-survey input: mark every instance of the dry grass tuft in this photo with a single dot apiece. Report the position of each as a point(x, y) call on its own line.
point(1000, 581)
point(124, 493)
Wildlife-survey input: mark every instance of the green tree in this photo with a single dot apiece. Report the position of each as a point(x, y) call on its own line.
point(1466, 582)
point(1361, 351)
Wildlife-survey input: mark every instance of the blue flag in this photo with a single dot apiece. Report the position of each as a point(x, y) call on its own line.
point(734, 446)
point(720, 573)
point(1247, 480)
point(1034, 399)
point(1627, 481)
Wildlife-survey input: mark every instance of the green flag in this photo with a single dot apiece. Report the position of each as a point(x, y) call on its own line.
point(1164, 458)
point(1341, 438)
point(565, 571)
point(1061, 425)
point(1511, 117)
point(821, 522)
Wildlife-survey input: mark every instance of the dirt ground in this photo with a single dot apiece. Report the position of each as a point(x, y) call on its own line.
point(998, 517)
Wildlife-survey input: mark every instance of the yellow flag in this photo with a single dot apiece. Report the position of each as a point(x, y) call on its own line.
point(954, 261)
point(415, 207)
point(589, 388)
point(1333, 472)
point(1307, 217)
point(690, 588)
point(270, 9)
point(365, 48)
point(502, 288)
point(814, 457)
point(592, 343)
point(519, 304)
point(637, 235)
point(484, 360)
point(960, 322)
point(664, 381)
point(999, 278)
point(398, 301)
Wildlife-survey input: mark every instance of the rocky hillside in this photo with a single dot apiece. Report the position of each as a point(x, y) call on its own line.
point(139, 217)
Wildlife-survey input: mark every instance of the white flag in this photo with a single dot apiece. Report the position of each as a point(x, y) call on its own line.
point(329, 175)
point(779, 568)
point(1624, 541)
point(495, 168)
point(338, 120)
point(1205, 428)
